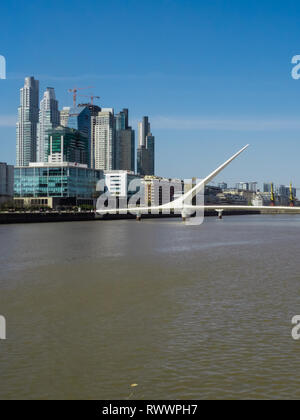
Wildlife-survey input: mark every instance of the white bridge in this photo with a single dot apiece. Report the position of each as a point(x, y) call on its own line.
point(183, 205)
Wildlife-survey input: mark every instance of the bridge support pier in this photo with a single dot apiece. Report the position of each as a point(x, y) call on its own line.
point(184, 215)
point(220, 213)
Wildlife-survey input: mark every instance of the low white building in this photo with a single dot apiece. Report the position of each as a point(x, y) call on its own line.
point(264, 199)
point(148, 190)
point(121, 183)
point(258, 201)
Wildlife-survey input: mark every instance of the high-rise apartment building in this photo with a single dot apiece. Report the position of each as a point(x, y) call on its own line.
point(243, 186)
point(247, 186)
point(125, 143)
point(253, 186)
point(146, 149)
point(48, 119)
point(28, 117)
point(103, 134)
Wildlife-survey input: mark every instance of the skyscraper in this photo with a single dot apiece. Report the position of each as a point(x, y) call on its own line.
point(103, 133)
point(48, 119)
point(146, 149)
point(125, 143)
point(80, 118)
point(143, 129)
point(121, 120)
point(150, 145)
point(143, 161)
point(28, 117)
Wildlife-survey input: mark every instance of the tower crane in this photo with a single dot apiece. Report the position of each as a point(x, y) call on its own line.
point(92, 97)
point(75, 90)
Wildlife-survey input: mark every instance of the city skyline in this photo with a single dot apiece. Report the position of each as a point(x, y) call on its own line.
point(198, 84)
point(103, 153)
point(50, 113)
point(85, 133)
point(51, 117)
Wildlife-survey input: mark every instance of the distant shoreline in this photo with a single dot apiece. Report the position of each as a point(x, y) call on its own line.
point(54, 217)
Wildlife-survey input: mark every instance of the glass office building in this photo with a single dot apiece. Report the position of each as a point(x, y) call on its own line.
point(125, 143)
point(146, 149)
point(51, 180)
point(150, 142)
point(79, 118)
point(67, 145)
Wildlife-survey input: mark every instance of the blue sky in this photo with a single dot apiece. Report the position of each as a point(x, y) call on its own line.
point(212, 75)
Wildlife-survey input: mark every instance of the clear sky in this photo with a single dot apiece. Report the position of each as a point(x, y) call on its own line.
point(212, 75)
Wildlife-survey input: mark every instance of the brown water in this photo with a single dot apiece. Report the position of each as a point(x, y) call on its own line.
point(186, 312)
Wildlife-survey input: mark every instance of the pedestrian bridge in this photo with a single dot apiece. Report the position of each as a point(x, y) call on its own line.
point(183, 205)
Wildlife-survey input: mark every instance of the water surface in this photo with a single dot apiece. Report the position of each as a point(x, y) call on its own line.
point(184, 311)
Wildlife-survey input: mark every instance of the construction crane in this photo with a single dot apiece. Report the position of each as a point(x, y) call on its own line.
point(292, 198)
point(75, 90)
point(92, 98)
point(273, 202)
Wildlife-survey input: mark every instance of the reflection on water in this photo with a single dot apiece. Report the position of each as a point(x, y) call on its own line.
point(184, 311)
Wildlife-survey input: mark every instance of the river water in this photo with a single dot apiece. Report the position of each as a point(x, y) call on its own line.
point(183, 311)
